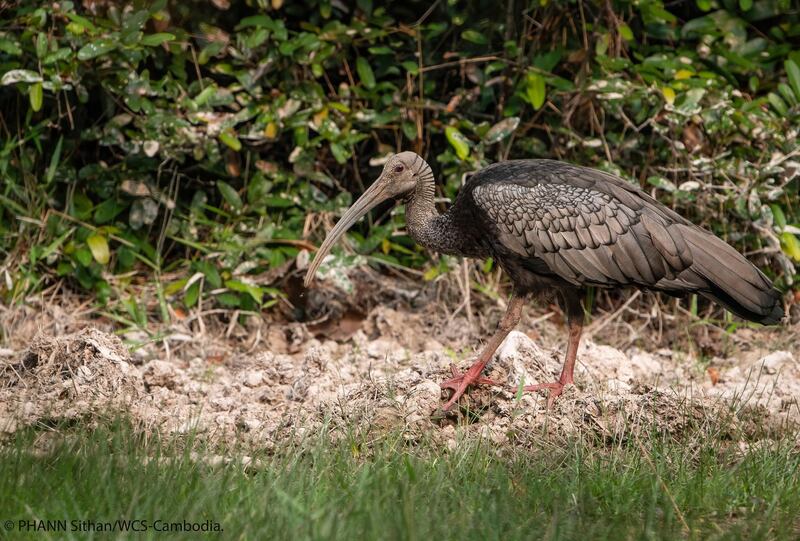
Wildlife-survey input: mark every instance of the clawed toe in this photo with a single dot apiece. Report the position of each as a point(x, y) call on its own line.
point(460, 381)
point(555, 388)
point(458, 378)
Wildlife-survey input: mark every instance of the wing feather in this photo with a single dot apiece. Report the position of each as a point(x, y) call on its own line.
point(584, 236)
point(590, 227)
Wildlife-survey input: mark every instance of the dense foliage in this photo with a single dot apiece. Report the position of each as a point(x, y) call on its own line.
point(198, 145)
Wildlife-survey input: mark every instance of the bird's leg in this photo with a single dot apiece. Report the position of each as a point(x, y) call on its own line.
point(574, 313)
point(459, 382)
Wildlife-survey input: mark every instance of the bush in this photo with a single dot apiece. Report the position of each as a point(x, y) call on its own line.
point(199, 144)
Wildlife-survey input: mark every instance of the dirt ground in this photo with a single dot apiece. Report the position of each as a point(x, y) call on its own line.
point(262, 384)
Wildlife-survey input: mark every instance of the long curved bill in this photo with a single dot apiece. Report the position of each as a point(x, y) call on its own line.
point(375, 195)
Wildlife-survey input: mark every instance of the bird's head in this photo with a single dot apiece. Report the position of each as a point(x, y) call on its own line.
point(401, 174)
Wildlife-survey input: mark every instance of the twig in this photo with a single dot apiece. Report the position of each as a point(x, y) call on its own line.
point(426, 14)
point(597, 327)
point(464, 61)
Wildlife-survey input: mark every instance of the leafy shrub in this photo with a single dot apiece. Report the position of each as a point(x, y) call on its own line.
point(202, 144)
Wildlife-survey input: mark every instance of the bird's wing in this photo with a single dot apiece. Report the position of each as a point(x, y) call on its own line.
point(586, 232)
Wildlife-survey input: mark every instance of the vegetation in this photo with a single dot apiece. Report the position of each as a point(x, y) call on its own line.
point(196, 145)
point(660, 489)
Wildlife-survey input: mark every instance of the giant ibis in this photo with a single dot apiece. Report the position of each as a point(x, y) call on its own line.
point(555, 227)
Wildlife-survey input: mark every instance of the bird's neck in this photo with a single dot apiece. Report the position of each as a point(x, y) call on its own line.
point(426, 226)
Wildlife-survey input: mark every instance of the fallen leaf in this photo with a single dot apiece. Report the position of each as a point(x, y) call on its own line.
point(216, 359)
point(99, 248)
point(453, 103)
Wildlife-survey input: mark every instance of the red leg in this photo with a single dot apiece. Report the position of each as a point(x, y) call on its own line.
point(574, 313)
point(459, 382)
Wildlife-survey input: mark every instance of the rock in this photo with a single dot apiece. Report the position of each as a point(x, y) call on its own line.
point(250, 424)
point(524, 361)
point(158, 373)
point(775, 361)
point(253, 378)
point(421, 400)
point(516, 345)
point(645, 366)
point(617, 386)
point(381, 348)
point(604, 362)
point(432, 345)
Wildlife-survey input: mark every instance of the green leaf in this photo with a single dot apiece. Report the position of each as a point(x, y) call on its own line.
point(365, 72)
point(692, 99)
point(230, 140)
point(778, 216)
point(656, 11)
point(210, 272)
point(96, 48)
point(9, 47)
point(230, 195)
point(535, 90)
point(365, 6)
point(20, 76)
point(280, 202)
point(793, 72)
point(41, 45)
point(154, 40)
point(174, 287)
point(99, 247)
point(457, 140)
point(745, 5)
point(254, 291)
point(411, 67)
point(62, 54)
point(431, 273)
point(410, 130)
point(191, 295)
point(107, 211)
point(255, 20)
point(50, 248)
point(661, 182)
point(36, 96)
point(340, 153)
point(229, 299)
point(501, 130)
point(205, 95)
point(83, 256)
point(474, 36)
point(787, 93)
point(83, 23)
point(777, 103)
point(626, 32)
point(791, 245)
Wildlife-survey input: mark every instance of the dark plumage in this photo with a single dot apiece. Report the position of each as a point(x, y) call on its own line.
point(557, 227)
point(556, 224)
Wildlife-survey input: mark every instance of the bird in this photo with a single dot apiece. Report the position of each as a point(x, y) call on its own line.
point(557, 228)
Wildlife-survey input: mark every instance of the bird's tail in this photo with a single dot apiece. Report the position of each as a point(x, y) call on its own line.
point(720, 273)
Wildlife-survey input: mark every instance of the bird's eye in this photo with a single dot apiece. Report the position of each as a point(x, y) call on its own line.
point(399, 169)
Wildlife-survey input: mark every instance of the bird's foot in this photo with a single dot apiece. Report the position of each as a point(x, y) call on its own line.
point(555, 388)
point(459, 382)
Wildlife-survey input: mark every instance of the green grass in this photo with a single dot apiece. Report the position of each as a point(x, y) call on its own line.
point(391, 491)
